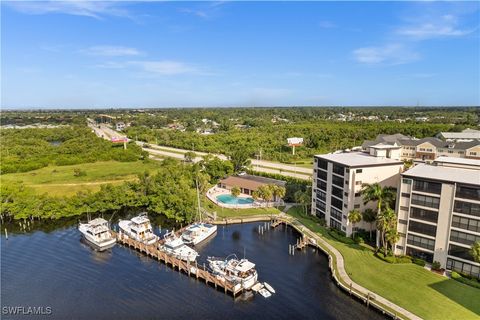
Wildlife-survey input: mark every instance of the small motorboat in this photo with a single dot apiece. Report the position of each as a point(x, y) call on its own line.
point(139, 228)
point(198, 232)
point(97, 232)
point(257, 287)
point(269, 287)
point(175, 247)
point(265, 293)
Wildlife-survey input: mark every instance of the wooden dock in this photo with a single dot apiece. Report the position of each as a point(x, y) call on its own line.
point(189, 268)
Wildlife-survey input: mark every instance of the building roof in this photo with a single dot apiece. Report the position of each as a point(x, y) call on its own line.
point(464, 145)
point(358, 159)
point(465, 134)
point(461, 161)
point(434, 141)
point(251, 182)
point(447, 174)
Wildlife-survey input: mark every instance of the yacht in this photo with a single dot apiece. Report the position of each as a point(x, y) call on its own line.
point(198, 232)
point(175, 247)
point(235, 270)
point(97, 232)
point(139, 228)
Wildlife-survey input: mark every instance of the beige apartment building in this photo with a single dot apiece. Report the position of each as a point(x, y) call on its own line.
point(438, 208)
point(338, 179)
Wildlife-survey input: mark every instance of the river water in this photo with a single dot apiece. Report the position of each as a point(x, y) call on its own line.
point(56, 269)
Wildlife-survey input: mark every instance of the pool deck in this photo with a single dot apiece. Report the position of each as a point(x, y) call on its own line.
point(213, 192)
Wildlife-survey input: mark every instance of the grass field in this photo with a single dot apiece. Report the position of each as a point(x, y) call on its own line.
point(412, 287)
point(60, 180)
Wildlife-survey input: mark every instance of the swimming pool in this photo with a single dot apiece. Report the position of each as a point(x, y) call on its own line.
point(229, 199)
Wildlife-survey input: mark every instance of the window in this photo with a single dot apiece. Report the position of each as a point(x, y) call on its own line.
point(465, 223)
point(345, 194)
point(405, 195)
point(322, 164)
point(424, 214)
point(321, 206)
point(320, 214)
point(460, 252)
point(427, 256)
point(403, 208)
point(401, 221)
point(358, 183)
point(337, 192)
point(335, 224)
point(467, 192)
point(423, 228)
point(338, 169)
point(421, 242)
point(322, 175)
point(356, 206)
point(425, 201)
point(399, 247)
point(321, 195)
point(337, 214)
point(473, 153)
point(469, 208)
point(337, 181)
point(462, 237)
point(336, 203)
point(427, 186)
point(359, 170)
point(463, 267)
point(322, 185)
point(358, 194)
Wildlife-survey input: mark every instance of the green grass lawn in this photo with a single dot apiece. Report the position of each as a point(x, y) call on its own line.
point(60, 180)
point(237, 213)
point(412, 287)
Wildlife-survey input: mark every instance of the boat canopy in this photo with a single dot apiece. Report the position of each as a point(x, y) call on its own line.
point(244, 266)
point(97, 222)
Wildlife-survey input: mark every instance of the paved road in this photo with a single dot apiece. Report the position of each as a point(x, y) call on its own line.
point(258, 165)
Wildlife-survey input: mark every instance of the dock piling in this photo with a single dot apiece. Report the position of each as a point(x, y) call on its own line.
point(6, 234)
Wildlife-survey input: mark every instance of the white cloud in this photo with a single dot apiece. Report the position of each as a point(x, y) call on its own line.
point(111, 51)
point(93, 9)
point(434, 27)
point(390, 54)
point(166, 67)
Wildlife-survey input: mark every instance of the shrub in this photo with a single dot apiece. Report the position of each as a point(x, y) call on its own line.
point(359, 240)
point(340, 236)
point(436, 265)
point(79, 173)
point(471, 282)
point(393, 259)
point(418, 261)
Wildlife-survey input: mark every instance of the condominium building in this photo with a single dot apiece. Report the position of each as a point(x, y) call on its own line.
point(438, 209)
point(338, 180)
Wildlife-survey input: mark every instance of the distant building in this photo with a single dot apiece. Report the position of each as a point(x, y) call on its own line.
point(338, 180)
point(438, 208)
point(120, 126)
point(465, 135)
point(248, 183)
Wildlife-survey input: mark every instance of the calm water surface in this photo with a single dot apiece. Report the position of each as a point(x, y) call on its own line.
point(58, 270)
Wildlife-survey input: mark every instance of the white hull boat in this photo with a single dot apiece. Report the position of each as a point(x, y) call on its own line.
point(265, 293)
point(198, 232)
point(269, 287)
point(138, 228)
point(97, 233)
point(234, 270)
point(175, 247)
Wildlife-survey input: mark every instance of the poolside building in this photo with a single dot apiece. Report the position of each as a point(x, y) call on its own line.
point(338, 180)
point(438, 210)
point(248, 183)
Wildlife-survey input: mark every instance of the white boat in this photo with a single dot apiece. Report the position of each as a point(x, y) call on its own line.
point(175, 247)
point(265, 293)
point(269, 287)
point(198, 232)
point(97, 232)
point(257, 287)
point(235, 270)
point(139, 228)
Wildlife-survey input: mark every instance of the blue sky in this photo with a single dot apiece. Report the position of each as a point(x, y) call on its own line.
point(78, 54)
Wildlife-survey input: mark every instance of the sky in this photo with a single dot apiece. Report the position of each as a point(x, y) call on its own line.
point(92, 54)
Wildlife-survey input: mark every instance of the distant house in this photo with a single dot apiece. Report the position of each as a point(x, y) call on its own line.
point(465, 135)
point(120, 126)
point(248, 183)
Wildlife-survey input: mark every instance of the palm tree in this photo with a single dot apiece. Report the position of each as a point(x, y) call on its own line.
point(475, 251)
point(386, 222)
point(369, 216)
point(303, 197)
point(266, 192)
point(354, 217)
point(384, 196)
point(278, 192)
point(235, 191)
point(392, 237)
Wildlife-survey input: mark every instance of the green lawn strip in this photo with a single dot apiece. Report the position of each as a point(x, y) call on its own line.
point(281, 170)
point(412, 287)
point(97, 171)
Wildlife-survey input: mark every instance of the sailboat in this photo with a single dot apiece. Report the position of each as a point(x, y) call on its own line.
point(199, 231)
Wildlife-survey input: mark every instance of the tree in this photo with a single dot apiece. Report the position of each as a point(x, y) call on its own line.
point(303, 197)
point(266, 192)
point(203, 180)
point(278, 192)
point(190, 156)
point(255, 195)
point(369, 216)
point(475, 251)
point(354, 217)
point(235, 191)
point(383, 196)
point(240, 159)
point(386, 223)
point(392, 236)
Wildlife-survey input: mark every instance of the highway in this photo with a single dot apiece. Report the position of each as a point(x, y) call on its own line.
point(157, 150)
